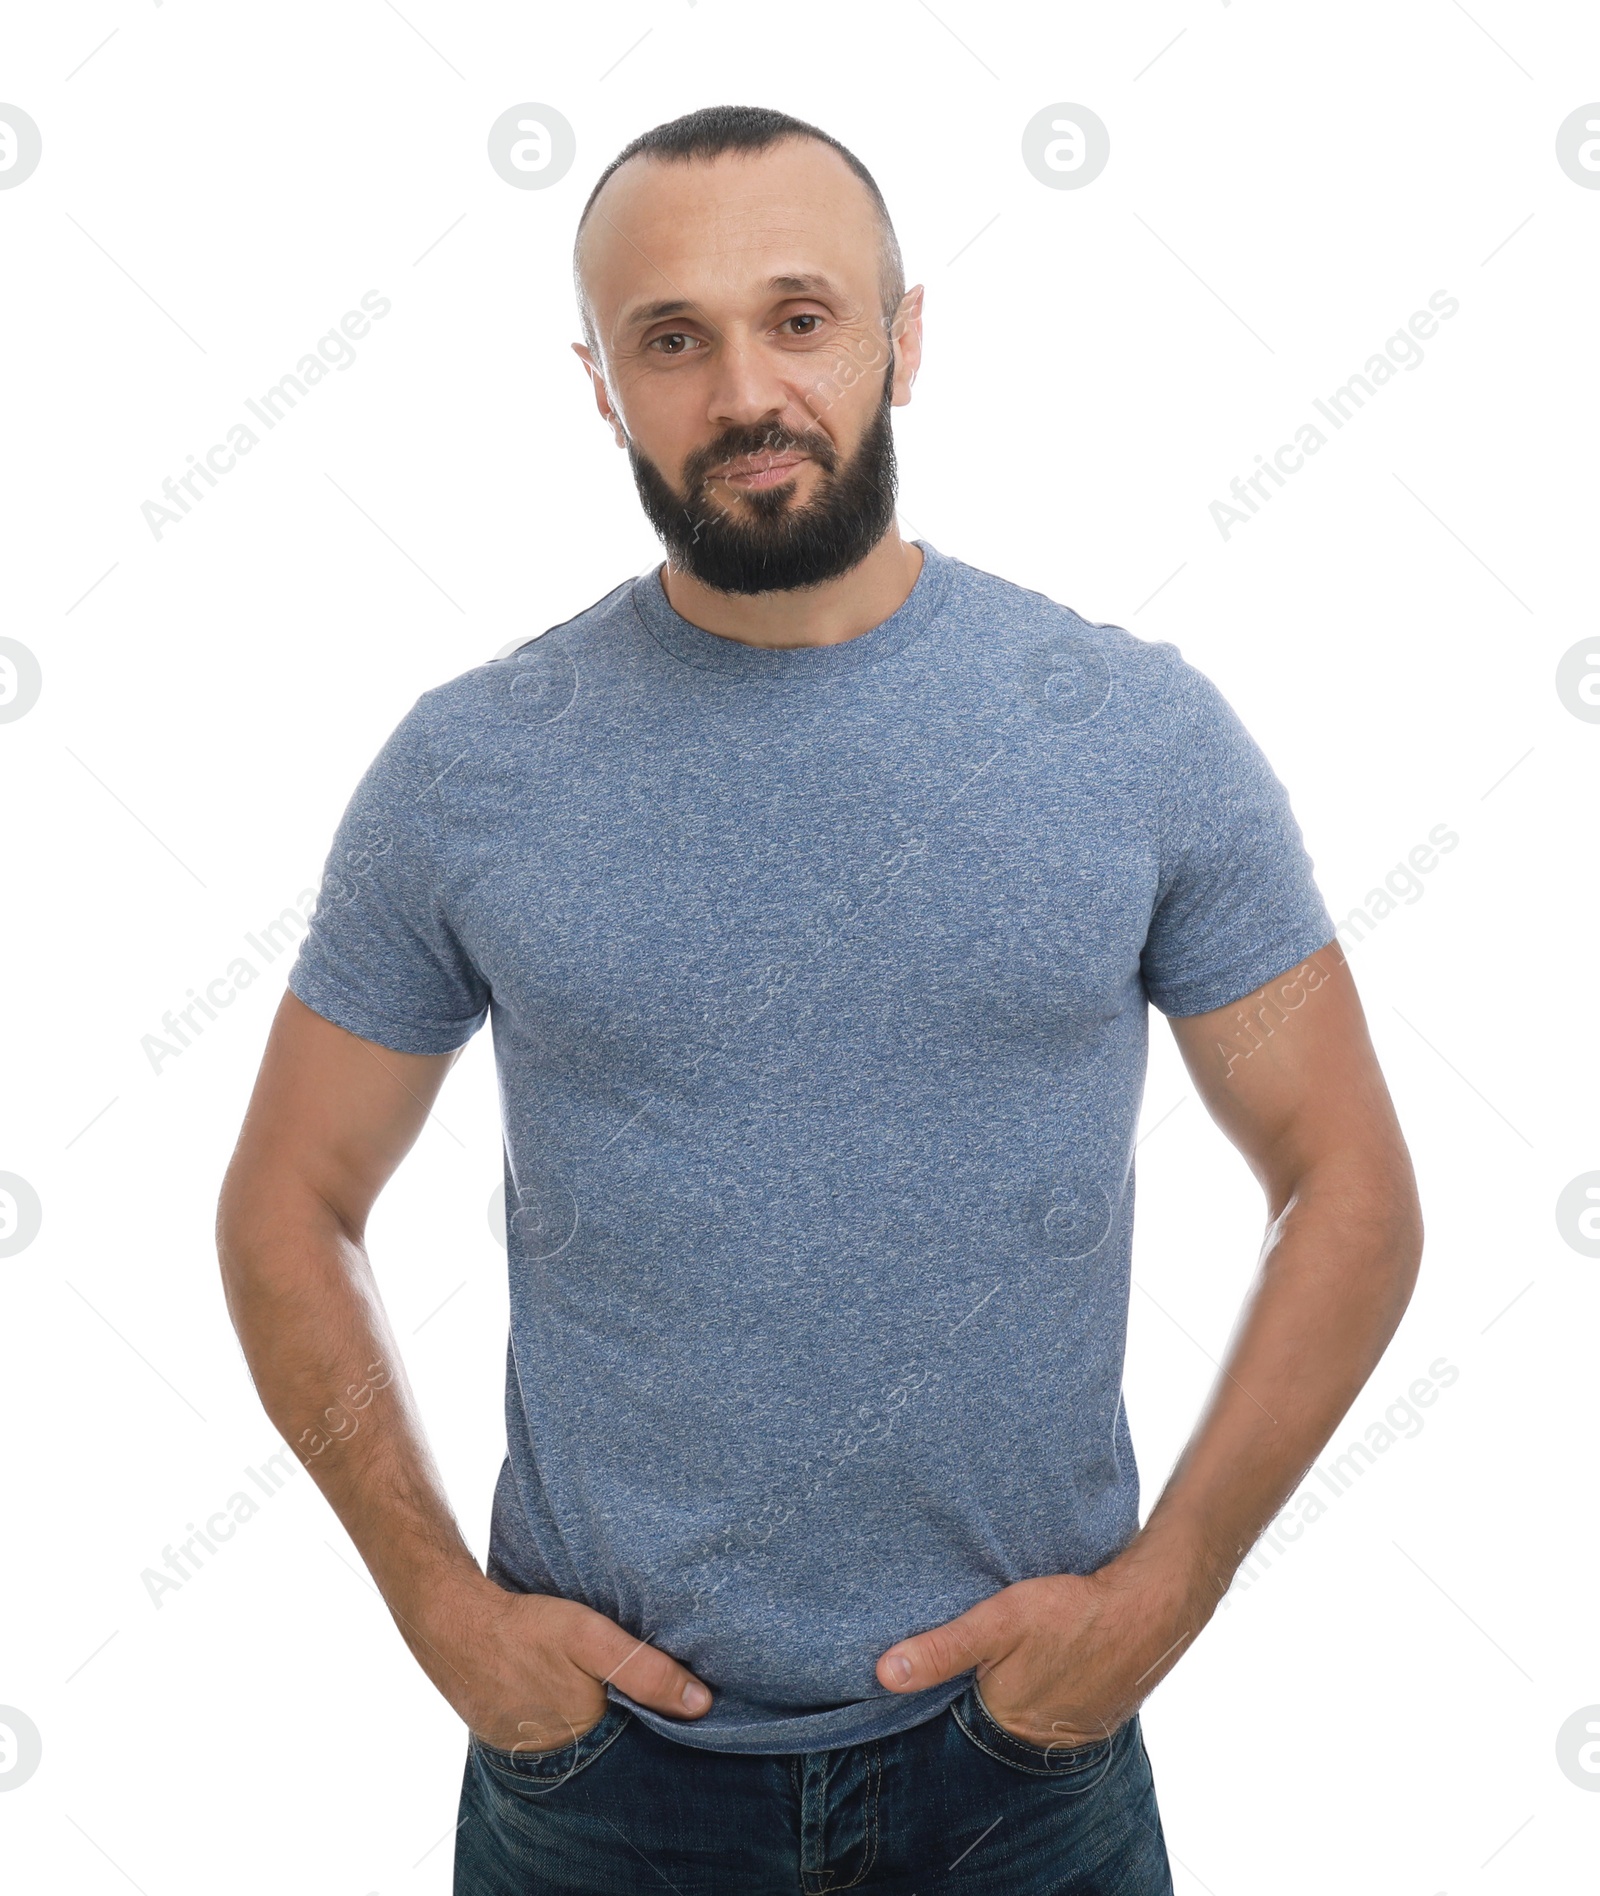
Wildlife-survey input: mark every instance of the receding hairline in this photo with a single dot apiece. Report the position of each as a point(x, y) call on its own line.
point(891, 269)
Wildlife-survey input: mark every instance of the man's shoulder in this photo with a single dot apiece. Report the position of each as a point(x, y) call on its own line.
point(1036, 631)
point(534, 672)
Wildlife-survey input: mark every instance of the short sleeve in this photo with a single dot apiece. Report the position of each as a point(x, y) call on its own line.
point(1236, 902)
point(381, 958)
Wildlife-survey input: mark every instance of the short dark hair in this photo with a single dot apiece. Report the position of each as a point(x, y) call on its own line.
point(715, 129)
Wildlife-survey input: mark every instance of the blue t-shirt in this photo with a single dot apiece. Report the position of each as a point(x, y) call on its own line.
point(819, 981)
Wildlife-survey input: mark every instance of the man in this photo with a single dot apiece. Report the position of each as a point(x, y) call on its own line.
point(818, 885)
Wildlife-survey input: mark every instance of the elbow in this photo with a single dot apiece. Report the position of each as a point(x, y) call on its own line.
point(234, 1228)
point(1368, 1212)
point(242, 1201)
point(1409, 1239)
point(1385, 1207)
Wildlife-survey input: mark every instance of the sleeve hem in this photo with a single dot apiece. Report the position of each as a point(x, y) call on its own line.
point(1201, 993)
point(323, 998)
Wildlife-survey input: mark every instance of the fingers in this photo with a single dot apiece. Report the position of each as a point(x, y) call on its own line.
point(943, 1652)
point(646, 1674)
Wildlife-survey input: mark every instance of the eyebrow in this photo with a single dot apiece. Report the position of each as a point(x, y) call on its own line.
point(648, 313)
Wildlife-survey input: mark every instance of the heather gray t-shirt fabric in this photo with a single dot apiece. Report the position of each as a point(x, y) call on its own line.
point(819, 984)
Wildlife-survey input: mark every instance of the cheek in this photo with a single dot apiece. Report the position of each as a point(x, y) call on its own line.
point(840, 376)
point(842, 398)
point(663, 415)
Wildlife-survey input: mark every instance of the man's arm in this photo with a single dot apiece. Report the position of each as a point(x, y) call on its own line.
point(331, 1118)
point(1290, 1076)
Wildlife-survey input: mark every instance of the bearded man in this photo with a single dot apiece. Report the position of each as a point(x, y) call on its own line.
point(819, 886)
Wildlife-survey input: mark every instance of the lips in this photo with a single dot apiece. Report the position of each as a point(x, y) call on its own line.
point(759, 470)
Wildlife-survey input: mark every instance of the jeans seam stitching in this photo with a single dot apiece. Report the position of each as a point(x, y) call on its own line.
point(870, 1846)
point(528, 1777)
point(1031, 1769)
point(1093, 1745)
point(1016, 1764)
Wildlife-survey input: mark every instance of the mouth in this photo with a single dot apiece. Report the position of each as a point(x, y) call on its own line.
point(751, 472)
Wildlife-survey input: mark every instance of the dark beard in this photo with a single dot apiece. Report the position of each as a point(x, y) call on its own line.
point(776, 547)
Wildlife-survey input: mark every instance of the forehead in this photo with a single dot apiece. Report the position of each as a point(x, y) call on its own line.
point(710, 230)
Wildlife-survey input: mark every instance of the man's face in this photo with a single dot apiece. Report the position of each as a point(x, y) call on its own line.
point(743, 360)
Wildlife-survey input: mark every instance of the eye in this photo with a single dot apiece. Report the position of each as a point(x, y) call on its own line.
point(676, 343)
point(807, 316)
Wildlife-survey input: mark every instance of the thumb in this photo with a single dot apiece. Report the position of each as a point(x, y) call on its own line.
point(943, 1652)
point(644, 1672)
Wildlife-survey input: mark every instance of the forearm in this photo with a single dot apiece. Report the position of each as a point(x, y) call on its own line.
point(323, 1356)
point(1336, 1272)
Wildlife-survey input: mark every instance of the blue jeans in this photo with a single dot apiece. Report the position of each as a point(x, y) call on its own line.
point(953, 1807)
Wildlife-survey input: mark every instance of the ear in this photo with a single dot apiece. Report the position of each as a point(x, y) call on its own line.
point(602, 398)
point(906, 334)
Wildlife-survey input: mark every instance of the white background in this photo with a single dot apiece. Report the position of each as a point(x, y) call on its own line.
point(1379, 1708)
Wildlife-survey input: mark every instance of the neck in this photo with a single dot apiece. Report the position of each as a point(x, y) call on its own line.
point(839, 609)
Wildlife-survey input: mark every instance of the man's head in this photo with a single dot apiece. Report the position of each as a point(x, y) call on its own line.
point(747, 330)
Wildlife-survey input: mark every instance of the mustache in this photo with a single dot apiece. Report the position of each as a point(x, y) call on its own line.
point(766, 544)
point(771, 438)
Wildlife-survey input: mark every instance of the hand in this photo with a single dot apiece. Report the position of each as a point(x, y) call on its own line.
point(1060, 1661)
point(527, 1671)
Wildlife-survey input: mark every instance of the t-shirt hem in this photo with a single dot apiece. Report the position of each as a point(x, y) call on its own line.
point(357, 1018)
point(1239, 978)
point(811, 1731)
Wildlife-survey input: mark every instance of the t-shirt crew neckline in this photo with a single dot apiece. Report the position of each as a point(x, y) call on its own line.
point(711, 651)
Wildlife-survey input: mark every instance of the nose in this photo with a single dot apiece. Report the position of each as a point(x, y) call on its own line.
point(744, 391)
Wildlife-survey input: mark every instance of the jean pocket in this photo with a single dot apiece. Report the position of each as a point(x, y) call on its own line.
point(1050, 1761)
point(538, 1772)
